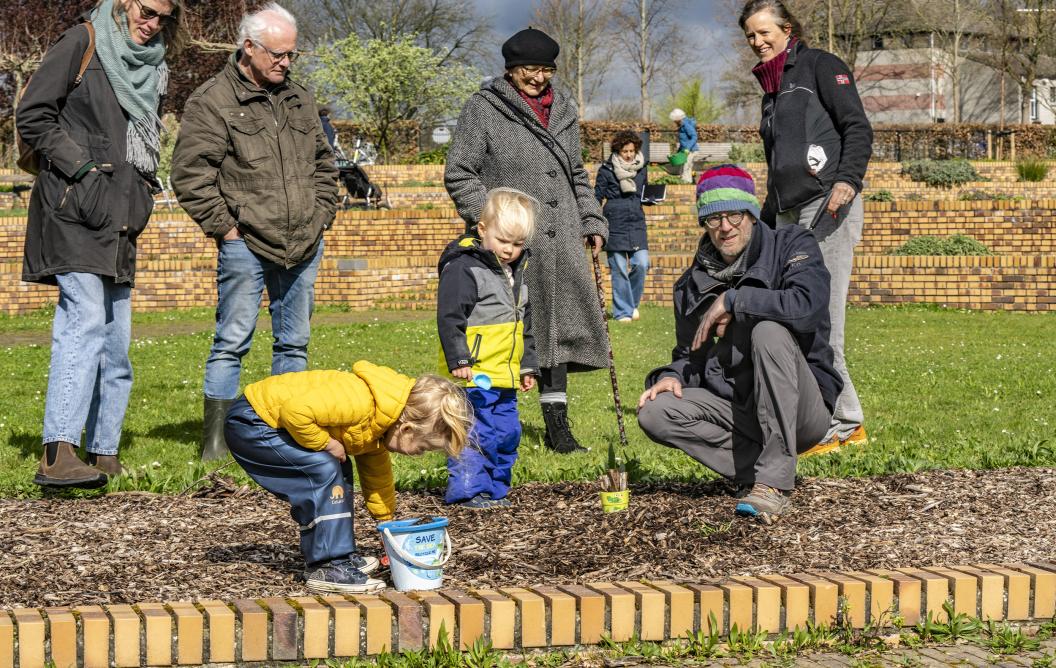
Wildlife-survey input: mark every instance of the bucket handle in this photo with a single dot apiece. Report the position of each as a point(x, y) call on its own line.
point(414, 562)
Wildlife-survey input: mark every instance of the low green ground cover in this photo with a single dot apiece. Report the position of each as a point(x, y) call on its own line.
point(941, 389)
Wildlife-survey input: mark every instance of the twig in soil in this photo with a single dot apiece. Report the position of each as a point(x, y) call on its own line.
point(208, 477)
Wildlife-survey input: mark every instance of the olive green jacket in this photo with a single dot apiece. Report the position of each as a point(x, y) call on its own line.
point(259, 160)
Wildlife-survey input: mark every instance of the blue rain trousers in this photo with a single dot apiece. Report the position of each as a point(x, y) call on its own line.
point(315, 484)
point(486, 465)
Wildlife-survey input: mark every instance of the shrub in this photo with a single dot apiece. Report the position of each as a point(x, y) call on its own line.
point(977, 195)
point(941, 173)
point(437, 156)
point(741, 153)
point(1032, 170)
point(880, 196)
point(667, 180)
point(958, 244)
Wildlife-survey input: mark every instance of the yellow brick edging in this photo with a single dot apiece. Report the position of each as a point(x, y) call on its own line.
point(513, 618)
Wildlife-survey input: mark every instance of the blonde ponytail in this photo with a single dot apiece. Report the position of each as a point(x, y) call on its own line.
point(440, 414)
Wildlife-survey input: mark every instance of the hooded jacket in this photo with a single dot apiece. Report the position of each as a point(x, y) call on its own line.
point(483, 321)
point(687, 134)
point(815, 131)
point(786, 282)
point(80, 222)
point(353, 408)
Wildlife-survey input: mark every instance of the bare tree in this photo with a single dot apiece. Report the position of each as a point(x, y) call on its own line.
point(846, 27)
point(652, 27)
point(454, 29)
point(580, 27)
point(1035, 45)
point(949, 22)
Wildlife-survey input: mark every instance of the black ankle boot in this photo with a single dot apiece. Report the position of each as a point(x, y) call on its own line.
point(559, 436)
point(213, 444)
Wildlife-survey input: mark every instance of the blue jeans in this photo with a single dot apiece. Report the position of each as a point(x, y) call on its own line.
point(628, 269)
point(241, 277)
point(90, 375)
point(316, 485)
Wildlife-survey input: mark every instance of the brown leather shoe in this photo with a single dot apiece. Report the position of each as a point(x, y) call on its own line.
point(108, 464)
point(60, 467)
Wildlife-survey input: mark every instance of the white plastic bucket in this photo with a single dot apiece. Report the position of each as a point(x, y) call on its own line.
point(417, 549)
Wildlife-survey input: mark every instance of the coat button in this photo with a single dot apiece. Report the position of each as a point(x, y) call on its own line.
point(551, 233)
point(553, 203)
point(552, 173)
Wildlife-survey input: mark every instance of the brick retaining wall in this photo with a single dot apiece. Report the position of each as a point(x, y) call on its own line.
point(305, 628)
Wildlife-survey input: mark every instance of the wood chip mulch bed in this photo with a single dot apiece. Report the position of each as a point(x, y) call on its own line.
point(226, 542)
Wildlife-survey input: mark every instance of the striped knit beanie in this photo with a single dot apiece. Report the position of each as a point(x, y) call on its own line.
point(725, 188)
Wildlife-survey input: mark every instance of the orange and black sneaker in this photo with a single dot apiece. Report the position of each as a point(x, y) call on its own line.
point(834, 443)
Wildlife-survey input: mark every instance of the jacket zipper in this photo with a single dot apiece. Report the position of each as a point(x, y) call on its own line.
point(65, 195)
point(516, 316)
point(475, 351)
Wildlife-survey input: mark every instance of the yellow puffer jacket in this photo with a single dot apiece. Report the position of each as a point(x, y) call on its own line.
point(353, 408)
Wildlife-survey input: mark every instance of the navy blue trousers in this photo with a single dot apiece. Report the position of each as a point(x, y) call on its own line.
point(486, 465)
point(316, 485)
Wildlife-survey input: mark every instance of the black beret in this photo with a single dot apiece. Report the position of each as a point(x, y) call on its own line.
point(530, 47)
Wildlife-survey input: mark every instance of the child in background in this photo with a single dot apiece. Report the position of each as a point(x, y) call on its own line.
point(484, 321)
point(293, 433)
point(619, 186)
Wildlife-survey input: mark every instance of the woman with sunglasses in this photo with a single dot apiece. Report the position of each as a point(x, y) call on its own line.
point(519, 132)
point(98, 140)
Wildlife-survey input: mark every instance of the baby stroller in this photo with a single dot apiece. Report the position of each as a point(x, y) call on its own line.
point(359, 191)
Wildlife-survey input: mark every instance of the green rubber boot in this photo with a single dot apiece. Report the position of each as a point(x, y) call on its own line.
point(213, 444)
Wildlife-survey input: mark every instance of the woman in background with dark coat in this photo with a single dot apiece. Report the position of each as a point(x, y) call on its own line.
point(98, 141)
point(519, 132)
point(619, 186)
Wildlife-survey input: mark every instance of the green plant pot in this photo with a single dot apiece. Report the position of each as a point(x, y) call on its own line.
point(614, 502)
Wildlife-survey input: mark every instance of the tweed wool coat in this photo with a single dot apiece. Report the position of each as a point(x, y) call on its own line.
point(500, 142)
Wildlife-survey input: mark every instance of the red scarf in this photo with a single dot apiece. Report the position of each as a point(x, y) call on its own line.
point(540, 105)
point(769, 73)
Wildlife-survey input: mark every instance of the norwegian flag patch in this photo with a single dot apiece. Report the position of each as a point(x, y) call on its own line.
point(843, 79)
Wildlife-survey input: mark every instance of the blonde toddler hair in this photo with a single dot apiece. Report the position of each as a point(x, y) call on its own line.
point(511, 211)
point(439, 413)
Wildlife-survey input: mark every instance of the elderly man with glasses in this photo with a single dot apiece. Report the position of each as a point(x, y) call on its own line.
point(751, 383)
point(253, 167)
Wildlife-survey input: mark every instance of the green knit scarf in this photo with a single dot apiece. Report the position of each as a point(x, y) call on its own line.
point(138, 74)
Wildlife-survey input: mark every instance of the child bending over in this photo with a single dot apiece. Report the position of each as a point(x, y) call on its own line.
point(486, 341)
point(294, 433)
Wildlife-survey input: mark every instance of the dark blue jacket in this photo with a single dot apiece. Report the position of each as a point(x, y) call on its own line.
point(687, 134)
point(622, 210)
point(786, 282)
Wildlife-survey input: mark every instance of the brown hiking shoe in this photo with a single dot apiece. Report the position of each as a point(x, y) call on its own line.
point(60, 467)
point(764, 503)
point(108, 464)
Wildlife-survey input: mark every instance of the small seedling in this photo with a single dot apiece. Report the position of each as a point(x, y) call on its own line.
point(1009, 639)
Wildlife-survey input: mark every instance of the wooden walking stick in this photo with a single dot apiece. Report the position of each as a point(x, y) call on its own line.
point(616, 476)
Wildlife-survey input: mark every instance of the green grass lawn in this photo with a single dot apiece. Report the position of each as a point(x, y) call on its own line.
point(941, 389)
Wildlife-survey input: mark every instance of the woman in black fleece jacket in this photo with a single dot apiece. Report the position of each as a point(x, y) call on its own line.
point(818, 142)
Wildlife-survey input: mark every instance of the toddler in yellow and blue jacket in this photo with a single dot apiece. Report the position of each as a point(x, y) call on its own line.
point(297, 434)
point(484, 321)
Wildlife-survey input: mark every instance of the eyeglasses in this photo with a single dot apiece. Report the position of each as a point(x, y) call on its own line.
point(538, 69)
point(734, 218)
point(149, 14)
point(277, 56)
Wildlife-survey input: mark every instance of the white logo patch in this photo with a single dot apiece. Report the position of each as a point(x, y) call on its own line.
point(816, 159)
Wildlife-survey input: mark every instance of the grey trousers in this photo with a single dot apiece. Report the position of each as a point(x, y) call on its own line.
point(837, 247)
point(755, 442)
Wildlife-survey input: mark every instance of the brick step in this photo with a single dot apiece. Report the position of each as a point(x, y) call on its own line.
point(516, 618)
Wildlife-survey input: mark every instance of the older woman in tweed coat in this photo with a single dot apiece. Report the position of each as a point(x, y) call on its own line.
point(517, 131)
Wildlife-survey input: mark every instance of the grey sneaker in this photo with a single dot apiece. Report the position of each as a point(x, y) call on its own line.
point(765, 504)
point(365, 563)
point(341, 577)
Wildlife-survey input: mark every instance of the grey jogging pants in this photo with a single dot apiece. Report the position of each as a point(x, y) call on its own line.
point(756, 442)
